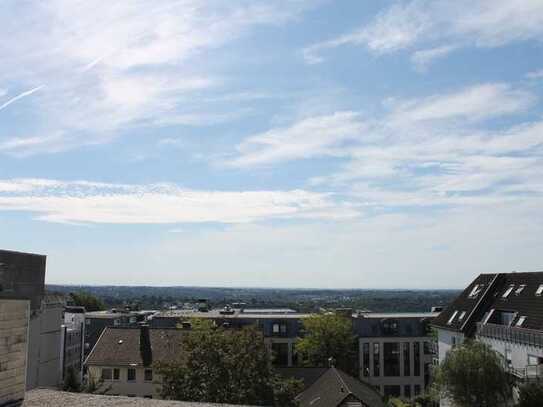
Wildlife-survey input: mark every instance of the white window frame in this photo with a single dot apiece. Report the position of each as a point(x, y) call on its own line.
point(508, 291)
point(520, 289)
point(539, 291)
point(521, 320)
point(452, 318)
point(461, 316)
point(475, 291)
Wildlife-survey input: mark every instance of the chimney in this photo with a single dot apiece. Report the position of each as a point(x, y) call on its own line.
point(145, 345)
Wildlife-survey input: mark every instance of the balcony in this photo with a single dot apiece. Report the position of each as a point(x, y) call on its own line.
point(510, 334)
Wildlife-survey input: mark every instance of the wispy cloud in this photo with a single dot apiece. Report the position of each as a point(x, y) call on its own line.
point(535, 74)
point(423, 58)
point(428, 24)
point(19, 96)
point(307, 138)
point(123, 65)
point(91, 202)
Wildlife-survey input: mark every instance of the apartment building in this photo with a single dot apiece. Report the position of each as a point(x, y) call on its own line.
point(280, 327)
point(72, 341)
point(396, 351)
point(123, 358)
point(503, 310)
point(22, 276)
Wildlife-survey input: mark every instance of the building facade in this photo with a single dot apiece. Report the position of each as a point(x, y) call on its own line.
point(72, 341)
point(14, 316)
point(504, 311)
point(280, 327)
point(22, 276)
point(396, 351)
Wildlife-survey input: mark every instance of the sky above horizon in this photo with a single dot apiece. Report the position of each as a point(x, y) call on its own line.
point(355, 144)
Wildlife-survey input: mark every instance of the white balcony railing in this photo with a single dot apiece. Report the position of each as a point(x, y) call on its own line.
point(511, 334)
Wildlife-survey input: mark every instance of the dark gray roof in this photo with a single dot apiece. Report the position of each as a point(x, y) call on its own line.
point(308, 375)
point(492, 287)
point(334, 387)
point(121, 346)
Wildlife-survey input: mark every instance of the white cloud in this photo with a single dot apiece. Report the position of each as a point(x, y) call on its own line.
point(471, 103)
point(88, 202)
point(309, 137)
point(420, 24)
point(110, 67)
point(535, 74)
point(423, 58)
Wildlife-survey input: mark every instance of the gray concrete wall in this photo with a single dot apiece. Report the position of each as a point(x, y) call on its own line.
point(13, 347)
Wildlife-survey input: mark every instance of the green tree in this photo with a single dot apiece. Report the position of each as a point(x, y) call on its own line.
point(531, 395)
point(89, 301)
point(473, 375)
point(328, 336)
point(225, 366)
point(71, 381)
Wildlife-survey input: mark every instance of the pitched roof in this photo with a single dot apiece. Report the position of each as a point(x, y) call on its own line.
point(308, 375)
point(486, 292)
point(334, 387)
point(121, 347)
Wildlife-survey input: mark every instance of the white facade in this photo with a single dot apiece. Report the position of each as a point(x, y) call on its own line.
point(446, 340)
point(115, 379)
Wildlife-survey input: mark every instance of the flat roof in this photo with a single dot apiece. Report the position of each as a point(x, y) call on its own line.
point(55, 398)
point(236, 314)
point(398, 315)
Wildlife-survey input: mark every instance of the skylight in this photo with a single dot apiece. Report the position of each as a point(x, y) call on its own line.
point(520, 321)
point(451, 319)
point(462, 315)
point(520, 288)
point(508, 291)
point(539, 290)
point(476, 290)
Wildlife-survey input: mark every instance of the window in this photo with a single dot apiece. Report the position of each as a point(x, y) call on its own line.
point(390, 327)
point(476, 290)
point(416, 357)
point(280, 354)
point(462, 316)
point(392, 390)
point(428, 348)
point(520, 288)
point(131, 375)
point(148, 396)
point(521, 321)
point(116, 322)
point(406, 359)
point(116, 374)
point(391, 358)
point(539, 290)
point(376, 359)
point(417, 389)
point(451, 319)
point(106, 374)
point(148, 374)
point(407, 391)
point(366, 359)
point(508, 291)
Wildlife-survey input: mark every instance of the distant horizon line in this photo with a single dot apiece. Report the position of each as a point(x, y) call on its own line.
point(250, 287)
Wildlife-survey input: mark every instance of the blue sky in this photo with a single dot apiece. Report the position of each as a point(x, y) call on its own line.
point(376, 144)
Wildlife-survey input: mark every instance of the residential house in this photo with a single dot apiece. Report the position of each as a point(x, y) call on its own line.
point(123, 359)
point(97, 321)
point(335, 388)
point(503, 310)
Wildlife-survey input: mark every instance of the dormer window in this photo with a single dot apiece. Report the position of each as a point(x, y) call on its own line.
point(539, 291)
point(520, 321)
point(451, 319)
point(476, 290)
point(508, 291)
point(462, 316)
point(520, 288)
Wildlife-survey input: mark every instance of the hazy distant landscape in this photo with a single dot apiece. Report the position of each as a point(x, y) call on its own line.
point(299, 299)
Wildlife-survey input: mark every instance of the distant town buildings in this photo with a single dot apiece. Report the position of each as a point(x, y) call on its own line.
point(72, 342)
